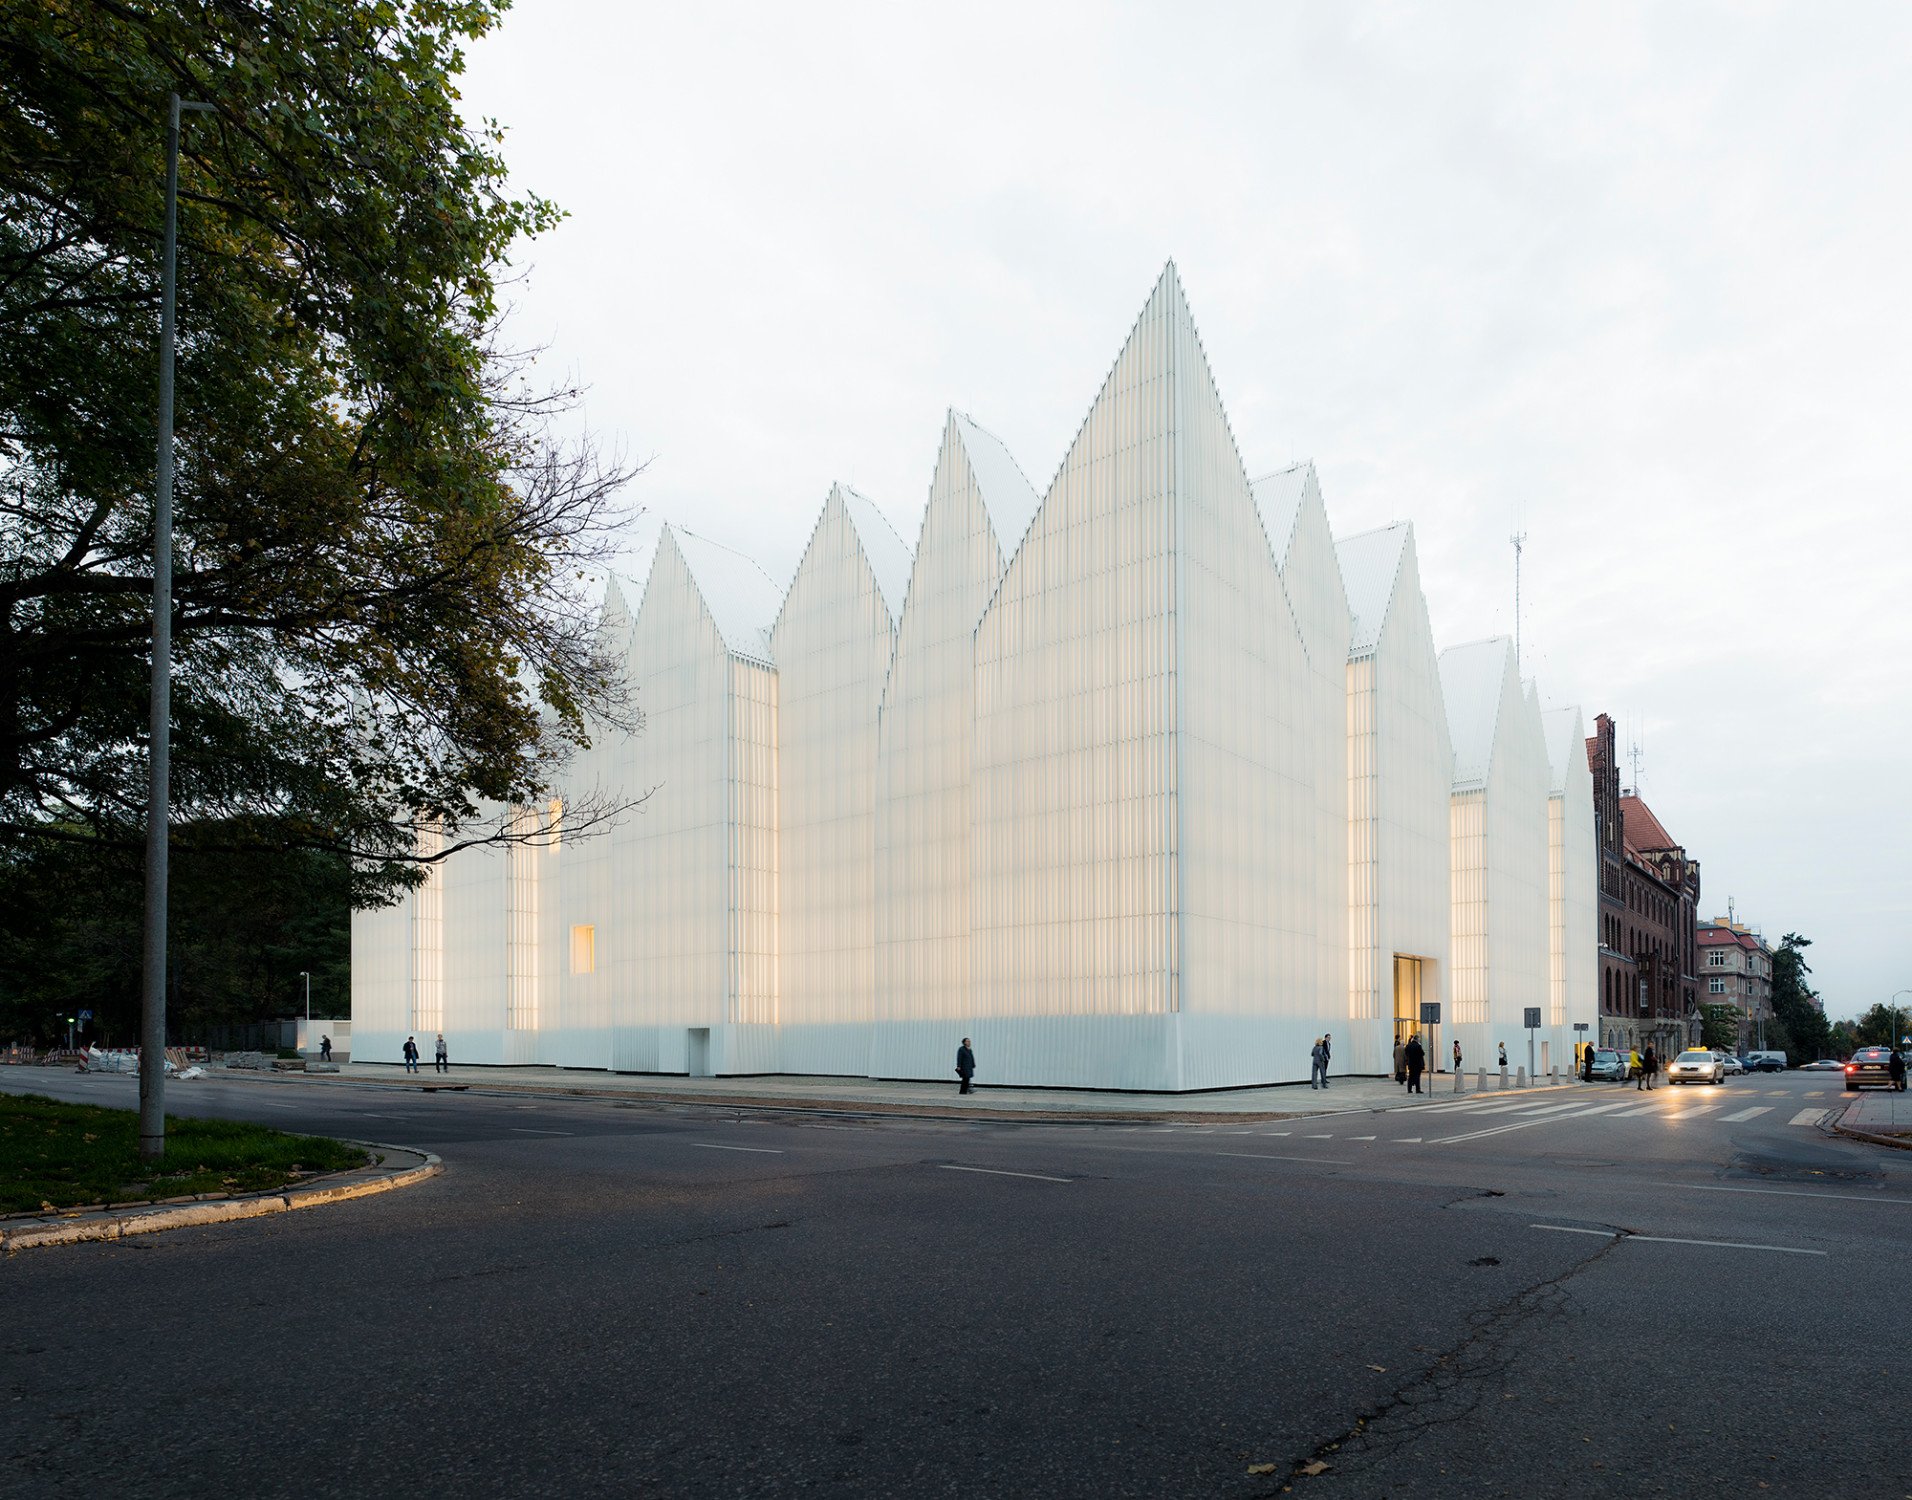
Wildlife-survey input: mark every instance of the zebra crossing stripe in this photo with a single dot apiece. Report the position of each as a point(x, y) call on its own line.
point(1746, 1114)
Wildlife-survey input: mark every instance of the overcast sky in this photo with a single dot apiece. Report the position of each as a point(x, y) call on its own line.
point(1630, 279)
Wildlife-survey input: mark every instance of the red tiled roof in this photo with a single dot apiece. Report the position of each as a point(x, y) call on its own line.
point(1641, 829)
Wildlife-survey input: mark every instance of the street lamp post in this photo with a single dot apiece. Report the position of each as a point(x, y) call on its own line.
point(152, 1030)
point(303, 974)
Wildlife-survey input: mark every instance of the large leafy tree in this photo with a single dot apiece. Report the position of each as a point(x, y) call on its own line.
point(381, 616)
point(1800, 1020)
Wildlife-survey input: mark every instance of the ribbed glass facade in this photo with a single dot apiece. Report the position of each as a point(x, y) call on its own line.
point(1141, 782)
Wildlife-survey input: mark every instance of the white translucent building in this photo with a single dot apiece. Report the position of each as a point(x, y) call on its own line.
point(1499, 816)
point(1573, 879)
point(1142, 782)
point(1400, 779)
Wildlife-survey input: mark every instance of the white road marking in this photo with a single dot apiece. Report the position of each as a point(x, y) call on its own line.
point(1707, 1187)
point(994, 1172)
point(1807, 1117)
point(1661, 1239)
point(1360, 1137)
point(1598, 1109)
point(1408, 1140)
point(1325, 1161)
point(760, 1150)
point(1277, 1132)
point(528, 1130)
point(1317, 1137)
point(1746, 1114)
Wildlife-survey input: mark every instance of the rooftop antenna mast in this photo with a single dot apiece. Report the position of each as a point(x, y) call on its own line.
point(1635, 754)
point(1519, 539)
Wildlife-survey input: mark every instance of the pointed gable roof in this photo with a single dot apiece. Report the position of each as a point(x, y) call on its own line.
point(1474, 680)
point(1370, 570)
point(1566, 741)
point(883, 549)
point(739, 595)
point(1279, 497)
point(1007, 495)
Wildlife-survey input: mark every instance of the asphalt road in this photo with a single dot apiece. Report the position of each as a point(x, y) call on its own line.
point(1692, 1292)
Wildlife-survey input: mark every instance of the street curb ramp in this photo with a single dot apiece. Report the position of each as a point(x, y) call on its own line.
point(361, 1182)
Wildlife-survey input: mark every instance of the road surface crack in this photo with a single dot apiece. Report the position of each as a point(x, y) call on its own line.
point(1450, 1389)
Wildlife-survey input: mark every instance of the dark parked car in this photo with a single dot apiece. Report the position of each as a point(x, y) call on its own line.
point(1868, 1068)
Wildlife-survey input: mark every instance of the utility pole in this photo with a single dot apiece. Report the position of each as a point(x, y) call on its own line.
point(152, 1027)
point(1519, 539)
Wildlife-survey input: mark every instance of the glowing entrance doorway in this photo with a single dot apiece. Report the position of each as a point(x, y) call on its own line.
point(1409, 977)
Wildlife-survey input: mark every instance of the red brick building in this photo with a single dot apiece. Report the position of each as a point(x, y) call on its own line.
point(1649, 916)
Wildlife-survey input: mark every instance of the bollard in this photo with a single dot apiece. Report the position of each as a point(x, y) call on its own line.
point(1480, 1080)
point(1458, 1075)
point(1520, 1076)
point(1553, 1076)
point(1503, 1075)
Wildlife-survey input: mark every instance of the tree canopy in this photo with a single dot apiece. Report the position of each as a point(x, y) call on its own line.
point(1799, 1021)
point(383, 553)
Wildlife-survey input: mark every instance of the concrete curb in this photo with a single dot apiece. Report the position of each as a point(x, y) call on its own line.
point(1895, 1142)
point(362, 1182)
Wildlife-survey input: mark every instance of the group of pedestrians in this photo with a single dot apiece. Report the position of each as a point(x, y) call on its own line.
point(1410, 1062)
point(443, 1056)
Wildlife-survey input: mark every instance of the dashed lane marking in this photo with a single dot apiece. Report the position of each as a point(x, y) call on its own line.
point(1323, 1161)
point(1709, 1187)
point(530, 1130)
point(1662, 1239)
point(997, 1172)
point(760, 1150)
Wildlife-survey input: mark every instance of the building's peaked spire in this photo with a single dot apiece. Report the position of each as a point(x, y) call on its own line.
point(888, 557)
point(1370, 570)
point(1475, 680)
point(1280, 497)
point(739, 596)
point(1566, 745)
point(1007, 495)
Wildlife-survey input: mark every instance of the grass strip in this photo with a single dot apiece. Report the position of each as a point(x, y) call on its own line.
point(55, 1155)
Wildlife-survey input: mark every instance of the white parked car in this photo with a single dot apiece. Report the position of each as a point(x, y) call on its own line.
point(1731, 1063)
point(1696, 1065)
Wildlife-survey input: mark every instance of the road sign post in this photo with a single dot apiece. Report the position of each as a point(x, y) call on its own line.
point(1533, 1025)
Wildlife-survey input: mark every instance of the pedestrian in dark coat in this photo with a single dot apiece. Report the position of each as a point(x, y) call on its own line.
point(1400, 1063)
point(965, 1067)
point(1649, 1065)
point(1895, 1069)
point(1416, 1064)
point(1586, 1063)
point(411, 1055)
point(325, 1049)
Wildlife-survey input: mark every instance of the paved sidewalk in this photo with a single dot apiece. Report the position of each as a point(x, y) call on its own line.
point(880, 1096)
point(1882, 1115)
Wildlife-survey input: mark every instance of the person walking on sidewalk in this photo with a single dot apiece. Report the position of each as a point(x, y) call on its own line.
point(1457, 1054)
point(1503, 1057)
point(965, 1067)
point(442, 1059)
point(1895, 1069)
point(411, 1055)
point(1416, 1063)
point(1400, 1063)
point(1318, 1064)
point(1649, 1065)
point(1586, 1063)
point(325, 1049)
